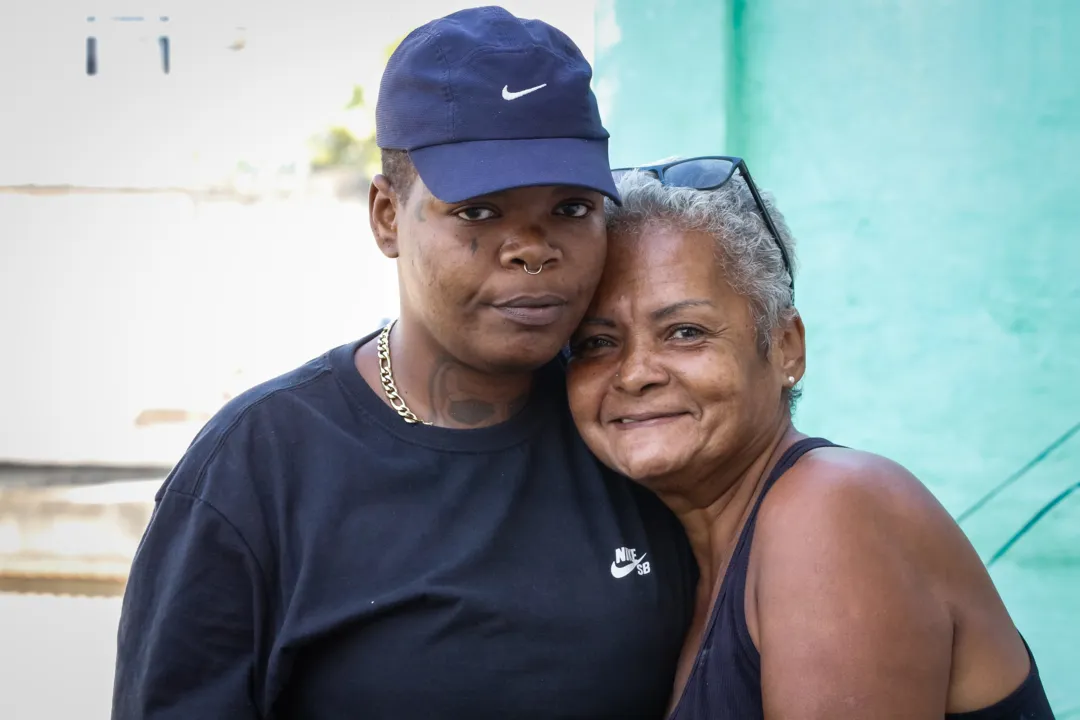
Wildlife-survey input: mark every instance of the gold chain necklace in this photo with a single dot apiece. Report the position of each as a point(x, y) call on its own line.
point(386, 374)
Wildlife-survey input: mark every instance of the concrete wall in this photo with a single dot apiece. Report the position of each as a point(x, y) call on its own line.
point(926, 156)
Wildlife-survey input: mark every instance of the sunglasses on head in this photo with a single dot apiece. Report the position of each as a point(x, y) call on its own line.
point(710, 173)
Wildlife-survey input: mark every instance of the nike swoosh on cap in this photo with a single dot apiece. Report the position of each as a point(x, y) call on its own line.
point(507, 95)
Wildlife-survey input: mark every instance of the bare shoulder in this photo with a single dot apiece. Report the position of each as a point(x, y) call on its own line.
point(836, 485)
point(847, 471)
point(873, 508)
point(852, 554)
point(870, 524)
point(838, 600)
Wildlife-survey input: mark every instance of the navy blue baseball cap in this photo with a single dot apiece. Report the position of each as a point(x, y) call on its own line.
point(484, 101)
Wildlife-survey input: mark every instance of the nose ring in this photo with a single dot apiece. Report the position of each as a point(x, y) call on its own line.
point(530, 272)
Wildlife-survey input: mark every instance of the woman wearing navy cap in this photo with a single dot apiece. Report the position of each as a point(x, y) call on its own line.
point(410, 526)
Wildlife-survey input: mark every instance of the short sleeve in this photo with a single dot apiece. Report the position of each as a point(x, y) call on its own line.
point(188, 636)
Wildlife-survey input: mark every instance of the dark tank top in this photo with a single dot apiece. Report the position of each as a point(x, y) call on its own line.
point(725, 682)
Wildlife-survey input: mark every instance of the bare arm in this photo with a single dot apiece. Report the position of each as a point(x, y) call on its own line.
point(842, 605)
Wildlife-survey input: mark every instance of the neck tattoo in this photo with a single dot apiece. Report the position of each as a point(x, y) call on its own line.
point(456, 394)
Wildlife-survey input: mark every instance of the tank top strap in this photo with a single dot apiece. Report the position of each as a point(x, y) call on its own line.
point(741, 554)
point(728, 658)
point(738, 566)
point(785, 463)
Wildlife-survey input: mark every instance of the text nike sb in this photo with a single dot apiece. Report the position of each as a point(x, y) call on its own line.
point(627, 561)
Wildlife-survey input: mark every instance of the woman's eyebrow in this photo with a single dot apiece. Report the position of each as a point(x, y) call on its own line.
point(669, 310)
point(660, 314)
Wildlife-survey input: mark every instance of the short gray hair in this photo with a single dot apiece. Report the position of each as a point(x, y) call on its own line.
point(746, 250)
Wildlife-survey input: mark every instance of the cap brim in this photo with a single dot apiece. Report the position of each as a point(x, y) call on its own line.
point(459, 171)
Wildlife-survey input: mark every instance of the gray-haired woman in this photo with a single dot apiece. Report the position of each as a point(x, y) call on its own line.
point(833, 585)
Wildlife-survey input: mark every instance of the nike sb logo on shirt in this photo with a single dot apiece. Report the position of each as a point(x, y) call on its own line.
point(627, 561)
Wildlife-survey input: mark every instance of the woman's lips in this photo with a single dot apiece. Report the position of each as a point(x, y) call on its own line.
point(532, 310)
point(645, 420)
point(532, 315)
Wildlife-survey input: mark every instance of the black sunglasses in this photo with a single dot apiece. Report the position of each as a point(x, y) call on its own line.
point(710, 173)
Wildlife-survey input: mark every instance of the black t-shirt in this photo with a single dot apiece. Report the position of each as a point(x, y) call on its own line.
point(313, 556)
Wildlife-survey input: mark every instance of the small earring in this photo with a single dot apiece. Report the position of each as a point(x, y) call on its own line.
point(791, 380)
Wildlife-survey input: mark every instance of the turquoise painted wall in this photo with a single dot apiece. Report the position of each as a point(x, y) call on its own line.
point(927, 156)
